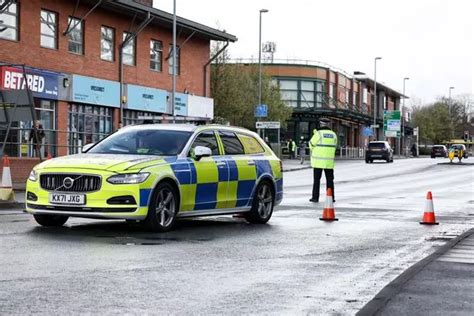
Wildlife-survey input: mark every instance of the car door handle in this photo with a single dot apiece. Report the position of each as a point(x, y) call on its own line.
point(251, 163)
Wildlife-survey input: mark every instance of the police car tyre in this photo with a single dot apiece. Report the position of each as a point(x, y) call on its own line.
point(50, 220)
point(262, 205)
point(163, 208)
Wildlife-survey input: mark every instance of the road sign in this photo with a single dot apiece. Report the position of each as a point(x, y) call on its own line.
point(391, 123)
point(368, 132)
point(374, 126)
point(268, 125)
point(261, 110)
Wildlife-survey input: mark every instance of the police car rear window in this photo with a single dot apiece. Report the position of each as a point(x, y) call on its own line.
point(252, 146)
point(232, 145)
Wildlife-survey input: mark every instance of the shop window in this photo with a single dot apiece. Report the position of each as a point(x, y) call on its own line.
point(107, 43)
point(87, 124)
point(178, 60)
point(128, 50)
point(9, 22)
point(156, 55)
point(131, 117)
point(288, 84)
point(49, 29)
point(76, 36)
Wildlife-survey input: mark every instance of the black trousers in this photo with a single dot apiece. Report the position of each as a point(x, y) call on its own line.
point(329, 174)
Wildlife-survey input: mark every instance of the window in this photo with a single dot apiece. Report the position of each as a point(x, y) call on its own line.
point(9, 22)
point(331, 91)
point(76, 36)
point(87, 124)
point(156, 55)
point(207, 139)
point(347, 96)
point(170, 60)
point(49, 29)
point(107, 43)
point(252, 146)
point(232, 145)
point(128, 51)
point(151, 141)
point(365, 96)
point(307, 94)
point(289, 92)
point(132, 117)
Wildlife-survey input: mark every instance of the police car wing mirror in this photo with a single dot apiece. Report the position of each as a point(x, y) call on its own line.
point(86, 147)
point(201, 151)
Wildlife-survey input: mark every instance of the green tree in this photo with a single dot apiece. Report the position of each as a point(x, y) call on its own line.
point(234, 87)
point(443, 120)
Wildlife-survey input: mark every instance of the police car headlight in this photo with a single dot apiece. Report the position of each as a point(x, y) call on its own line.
point(131, 178)
point(33, 175)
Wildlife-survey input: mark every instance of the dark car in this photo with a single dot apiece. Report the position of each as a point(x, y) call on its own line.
point(379, 150)
point(439, 151)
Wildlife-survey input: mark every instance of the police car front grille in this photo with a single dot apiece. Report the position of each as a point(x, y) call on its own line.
point(81, 183)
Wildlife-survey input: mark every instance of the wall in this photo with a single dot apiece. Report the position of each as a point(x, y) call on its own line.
point(20, 169)
point(28, 51)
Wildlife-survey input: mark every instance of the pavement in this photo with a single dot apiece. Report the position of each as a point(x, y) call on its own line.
point(440, 284)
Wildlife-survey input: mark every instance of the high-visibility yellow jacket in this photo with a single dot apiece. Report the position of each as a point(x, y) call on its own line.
point(323, 148)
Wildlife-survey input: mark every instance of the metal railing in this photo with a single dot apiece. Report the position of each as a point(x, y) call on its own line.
point(351, 153)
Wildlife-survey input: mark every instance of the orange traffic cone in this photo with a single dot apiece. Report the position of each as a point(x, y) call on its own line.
point(6, 174)
point(328, 211)
point(6, 190)
point(429, 215)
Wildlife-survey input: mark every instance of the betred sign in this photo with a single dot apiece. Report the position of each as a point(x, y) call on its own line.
point(43, 84)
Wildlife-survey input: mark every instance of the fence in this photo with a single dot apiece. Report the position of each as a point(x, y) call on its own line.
point(351, 153)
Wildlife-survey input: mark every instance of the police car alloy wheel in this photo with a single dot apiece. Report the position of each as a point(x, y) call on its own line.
point(163, 208)
point(262, 206)
point(51, 220)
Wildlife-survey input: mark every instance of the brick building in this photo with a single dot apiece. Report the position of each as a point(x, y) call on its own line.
point(315, 90)
point(71, 50)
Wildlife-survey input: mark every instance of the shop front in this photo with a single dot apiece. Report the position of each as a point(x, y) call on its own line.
point(44, 86)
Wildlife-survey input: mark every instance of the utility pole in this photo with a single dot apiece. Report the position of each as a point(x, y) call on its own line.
point(375, 96)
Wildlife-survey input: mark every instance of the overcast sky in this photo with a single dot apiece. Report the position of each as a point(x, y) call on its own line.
point(430, 41)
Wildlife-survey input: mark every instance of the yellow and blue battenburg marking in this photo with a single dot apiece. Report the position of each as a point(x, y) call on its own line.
point(219, 182)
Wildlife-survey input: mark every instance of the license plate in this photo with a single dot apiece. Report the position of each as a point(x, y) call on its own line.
point(61, 198)
point(377, 156)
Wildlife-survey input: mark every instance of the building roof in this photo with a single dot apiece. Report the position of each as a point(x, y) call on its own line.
point(370, 83)
point(164, 19)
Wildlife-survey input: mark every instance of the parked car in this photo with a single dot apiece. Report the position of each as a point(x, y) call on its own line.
point(379, 150)
point(157, 173)
point(439, 151)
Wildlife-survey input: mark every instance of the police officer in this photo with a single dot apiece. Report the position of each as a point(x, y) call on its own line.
point(323, 149)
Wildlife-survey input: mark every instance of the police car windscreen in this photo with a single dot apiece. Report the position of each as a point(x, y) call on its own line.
point(143, 142)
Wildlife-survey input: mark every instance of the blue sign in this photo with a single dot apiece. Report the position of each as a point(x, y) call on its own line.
point(146, 99)
point(367, 132)
point(261, 110)
point(180, 104)
point(43, 84)
point(95, 91)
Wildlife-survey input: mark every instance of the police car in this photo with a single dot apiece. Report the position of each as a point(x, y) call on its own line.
point(157, 173)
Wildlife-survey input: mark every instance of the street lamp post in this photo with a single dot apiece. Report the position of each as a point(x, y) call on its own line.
point(449, 99)
point(173, 92)
point(260, 57)
point(375, 96)
point(402, 137)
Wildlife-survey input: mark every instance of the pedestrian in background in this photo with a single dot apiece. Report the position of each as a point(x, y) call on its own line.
point(323, 150)
point(290, 148)
point(293, 149)
point(302, 149)
point(36, 137)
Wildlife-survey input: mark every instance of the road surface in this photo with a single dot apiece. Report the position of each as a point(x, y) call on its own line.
point(296, 264)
